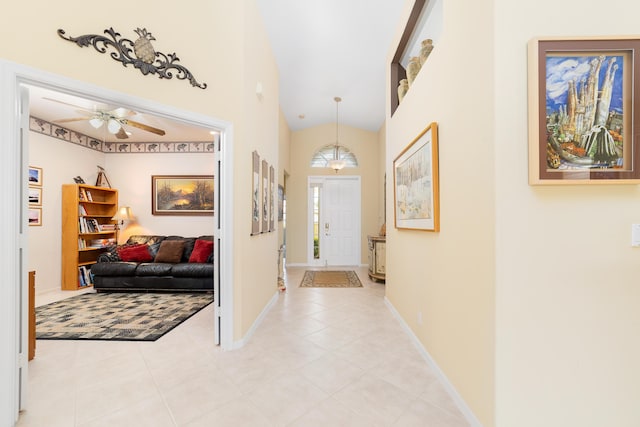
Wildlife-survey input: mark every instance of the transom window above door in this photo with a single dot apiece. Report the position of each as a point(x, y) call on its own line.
point(323, 157)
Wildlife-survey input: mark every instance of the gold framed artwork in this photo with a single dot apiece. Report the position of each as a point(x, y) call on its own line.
point(265, 196)
point(35, 176)
point(35, 196)
point(255, 194)
point(272, 199)
point(583, 109)
point(416, 186)
point(182, 194)
point(35, 216)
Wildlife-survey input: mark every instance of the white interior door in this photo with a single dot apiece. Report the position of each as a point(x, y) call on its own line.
point(339, 221)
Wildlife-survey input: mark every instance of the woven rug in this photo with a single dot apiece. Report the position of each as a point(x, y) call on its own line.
point(330, 279)
point(117, 316)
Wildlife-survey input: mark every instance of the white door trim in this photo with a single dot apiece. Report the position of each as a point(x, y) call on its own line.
point(13, 166)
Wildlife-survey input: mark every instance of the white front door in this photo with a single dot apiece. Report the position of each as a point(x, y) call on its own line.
point(334, 221)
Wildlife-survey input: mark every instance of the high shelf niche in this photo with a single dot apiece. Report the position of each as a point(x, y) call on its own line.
point(424, 22)
point(87, 230)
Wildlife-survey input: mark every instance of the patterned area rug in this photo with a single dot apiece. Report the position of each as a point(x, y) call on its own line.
point(330, 279)
point(117, 316)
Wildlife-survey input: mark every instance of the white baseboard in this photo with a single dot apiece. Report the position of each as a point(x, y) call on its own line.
point(240, 343)
point(322, 266)
point(459, 401)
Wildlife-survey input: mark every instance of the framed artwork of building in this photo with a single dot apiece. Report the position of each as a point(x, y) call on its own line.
point(583, 108)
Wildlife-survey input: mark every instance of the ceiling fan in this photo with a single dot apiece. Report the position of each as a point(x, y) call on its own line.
point(114, 120)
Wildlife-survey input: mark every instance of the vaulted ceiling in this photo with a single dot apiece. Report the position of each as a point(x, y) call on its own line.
point(332, 48)
point(323, 49)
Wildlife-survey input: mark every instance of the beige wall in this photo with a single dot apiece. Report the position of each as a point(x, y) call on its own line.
point(60, 162)
point(382, 178)
point(304, 143)
point(284, 155)
point(449, 277)
point(552, 265)
point(131, 175)
point(223, 45)
point(567, 278)
point(257, 284)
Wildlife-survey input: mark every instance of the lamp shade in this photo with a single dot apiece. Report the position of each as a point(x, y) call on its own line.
point(124, 214)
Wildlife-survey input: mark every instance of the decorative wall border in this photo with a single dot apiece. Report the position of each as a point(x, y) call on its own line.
point(53, 130)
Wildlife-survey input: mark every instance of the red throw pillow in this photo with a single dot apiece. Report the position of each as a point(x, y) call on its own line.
point(135, 253)
point(201, 251)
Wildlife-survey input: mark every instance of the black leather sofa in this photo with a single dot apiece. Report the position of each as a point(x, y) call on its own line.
point(139, 265)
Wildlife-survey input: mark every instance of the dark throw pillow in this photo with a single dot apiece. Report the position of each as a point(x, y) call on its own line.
point(201, 251)
point(135, 253)
point(170, 251)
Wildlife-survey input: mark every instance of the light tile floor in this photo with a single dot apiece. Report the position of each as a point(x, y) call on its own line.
point(321, 357)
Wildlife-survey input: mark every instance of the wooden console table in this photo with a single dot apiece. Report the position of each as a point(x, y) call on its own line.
point(377, 257)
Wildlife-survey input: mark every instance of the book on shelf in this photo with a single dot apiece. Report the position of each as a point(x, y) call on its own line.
point(84, 278)
point(82, 210)
point(88, 193)
point(88, 225)
point(82, 195)
point(102, 243)
point(107, 227)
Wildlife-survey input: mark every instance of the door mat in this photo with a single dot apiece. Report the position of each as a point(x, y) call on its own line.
point(330, 279)
point(117, 316)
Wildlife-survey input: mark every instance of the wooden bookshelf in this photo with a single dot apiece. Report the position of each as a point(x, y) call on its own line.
point(85, 210)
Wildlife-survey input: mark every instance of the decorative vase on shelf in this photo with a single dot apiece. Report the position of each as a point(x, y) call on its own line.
point(403, 87)
point(425, 50)
point(413, 68)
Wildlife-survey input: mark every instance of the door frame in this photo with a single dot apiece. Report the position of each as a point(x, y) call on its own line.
point(14, 227)
point(321, 179)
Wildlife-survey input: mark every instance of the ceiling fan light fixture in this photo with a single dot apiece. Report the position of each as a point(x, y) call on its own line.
point(113, 126)
point(96, 122)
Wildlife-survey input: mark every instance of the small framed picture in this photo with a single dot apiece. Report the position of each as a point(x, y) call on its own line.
point(35, 176)
point(35, 196)
point(35, 216)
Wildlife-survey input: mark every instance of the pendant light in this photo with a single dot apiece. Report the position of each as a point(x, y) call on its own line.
point(336, 163)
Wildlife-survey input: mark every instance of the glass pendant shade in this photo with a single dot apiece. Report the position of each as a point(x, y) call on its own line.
point(113, 126)
point(96, 122)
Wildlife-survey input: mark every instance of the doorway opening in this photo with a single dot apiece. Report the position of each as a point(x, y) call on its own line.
point(14, 130)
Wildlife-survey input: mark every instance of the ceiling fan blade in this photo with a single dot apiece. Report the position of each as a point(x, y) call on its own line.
point(122, 112)
point(75, 119)
point(143, 127)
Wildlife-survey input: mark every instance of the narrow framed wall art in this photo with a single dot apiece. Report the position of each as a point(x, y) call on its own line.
point(255, 194)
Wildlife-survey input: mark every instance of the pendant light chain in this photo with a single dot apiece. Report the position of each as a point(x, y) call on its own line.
point(336, 163)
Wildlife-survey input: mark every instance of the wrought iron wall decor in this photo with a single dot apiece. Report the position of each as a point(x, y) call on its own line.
point(139, 53)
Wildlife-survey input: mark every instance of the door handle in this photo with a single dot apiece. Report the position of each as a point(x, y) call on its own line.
point(326, 228)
